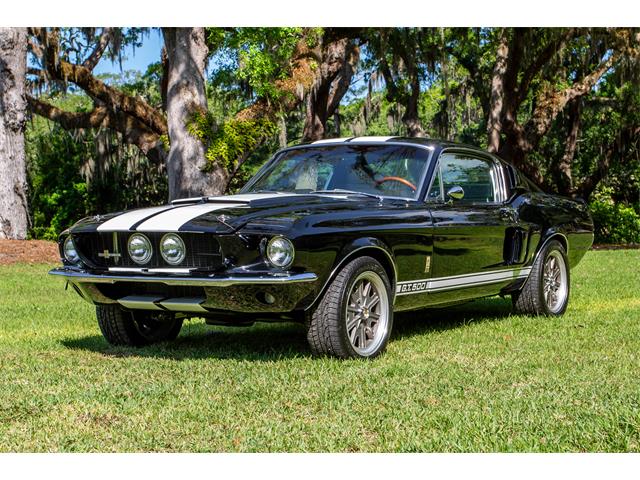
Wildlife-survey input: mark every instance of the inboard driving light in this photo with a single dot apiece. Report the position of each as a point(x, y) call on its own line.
point(140, 249)
point(172, 249)
point(70, 252)
point(280, 252)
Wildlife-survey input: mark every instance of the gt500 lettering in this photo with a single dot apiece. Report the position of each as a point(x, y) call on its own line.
point(412, 287)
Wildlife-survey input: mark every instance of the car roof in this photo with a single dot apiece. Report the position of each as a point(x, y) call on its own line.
point(393, 139)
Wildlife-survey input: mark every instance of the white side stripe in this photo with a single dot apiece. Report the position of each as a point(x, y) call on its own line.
point(460, 281)
point(125, 221)
point(172, 220)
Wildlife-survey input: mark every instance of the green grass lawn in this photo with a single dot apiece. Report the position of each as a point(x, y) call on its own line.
point(469, 378)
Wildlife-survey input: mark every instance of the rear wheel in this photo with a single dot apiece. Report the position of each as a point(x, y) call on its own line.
point(122, 327)
point(546, 291)
point(354, 316)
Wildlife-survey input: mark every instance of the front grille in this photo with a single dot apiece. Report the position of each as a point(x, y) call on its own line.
point(97, 249)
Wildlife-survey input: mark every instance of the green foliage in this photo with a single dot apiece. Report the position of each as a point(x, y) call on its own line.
point(74, 174)
point(58, 193)
point(226, 144)
point(145, 84)
point(614, 222)
point(257, 56)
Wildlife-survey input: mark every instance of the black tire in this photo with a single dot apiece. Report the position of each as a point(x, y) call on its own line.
point(122, 327)
point(530, 300)
point(327, 323)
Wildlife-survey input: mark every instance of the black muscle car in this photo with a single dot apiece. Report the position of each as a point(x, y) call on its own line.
point(338, 234)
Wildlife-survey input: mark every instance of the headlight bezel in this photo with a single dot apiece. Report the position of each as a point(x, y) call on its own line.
point(177, 237)
point(69, 240)
point(147, 258)
point(290, 251)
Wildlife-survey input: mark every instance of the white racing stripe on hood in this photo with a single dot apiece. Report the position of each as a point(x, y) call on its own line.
point(172, 220)
point(128, 219)
point(169, 218)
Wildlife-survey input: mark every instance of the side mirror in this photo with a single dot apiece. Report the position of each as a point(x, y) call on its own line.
point(455, 193)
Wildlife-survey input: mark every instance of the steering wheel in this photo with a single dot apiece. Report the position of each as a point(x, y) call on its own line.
point(403, 181)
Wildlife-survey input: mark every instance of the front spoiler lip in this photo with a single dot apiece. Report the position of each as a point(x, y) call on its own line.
point(79, 276)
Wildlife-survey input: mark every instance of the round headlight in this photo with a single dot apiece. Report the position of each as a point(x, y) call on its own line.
point(140, 249)
point(172, 249)
point(70, 252)
point(280, 252)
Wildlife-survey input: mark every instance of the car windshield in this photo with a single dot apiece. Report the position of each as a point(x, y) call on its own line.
point(381, 170)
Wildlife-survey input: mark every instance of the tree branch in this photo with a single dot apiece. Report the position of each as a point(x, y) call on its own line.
point(552, 103)
point(69, 120)
point(60, 69)
point(103, 42)
point(133, 131)
point(540, 61)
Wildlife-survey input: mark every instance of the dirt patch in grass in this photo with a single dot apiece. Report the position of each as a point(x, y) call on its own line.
point(28, 251)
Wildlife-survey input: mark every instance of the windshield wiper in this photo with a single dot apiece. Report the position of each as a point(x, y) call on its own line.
point(349, 192)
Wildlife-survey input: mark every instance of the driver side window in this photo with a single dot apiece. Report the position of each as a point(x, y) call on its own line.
point(475, 175)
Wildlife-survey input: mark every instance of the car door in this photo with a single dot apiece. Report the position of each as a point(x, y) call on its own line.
point(471, 224)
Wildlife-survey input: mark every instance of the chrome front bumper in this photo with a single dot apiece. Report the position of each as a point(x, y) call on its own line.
point(79, 276)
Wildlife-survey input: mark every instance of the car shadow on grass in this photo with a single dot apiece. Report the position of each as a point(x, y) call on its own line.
point(421, 322)
point(261, 342)
point(268, 342)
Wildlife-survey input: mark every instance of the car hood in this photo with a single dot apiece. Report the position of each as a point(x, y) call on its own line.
point(227, 214)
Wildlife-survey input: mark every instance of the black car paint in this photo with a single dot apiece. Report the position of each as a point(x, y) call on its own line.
point(327, 232)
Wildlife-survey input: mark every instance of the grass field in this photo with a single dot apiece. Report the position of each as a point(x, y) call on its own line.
point(469, 378)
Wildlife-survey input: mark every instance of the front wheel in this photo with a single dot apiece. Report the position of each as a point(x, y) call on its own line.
point(355, 315)
point(136, 329)
point(546, 291)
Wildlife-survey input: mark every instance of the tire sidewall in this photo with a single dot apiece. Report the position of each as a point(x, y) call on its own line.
point(359, 266)
point(556, 246)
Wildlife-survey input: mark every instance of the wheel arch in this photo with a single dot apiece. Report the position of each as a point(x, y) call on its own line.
point(548, 237)
point(369, 247)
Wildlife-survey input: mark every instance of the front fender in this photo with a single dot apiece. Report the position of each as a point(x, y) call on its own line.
point(369, 246)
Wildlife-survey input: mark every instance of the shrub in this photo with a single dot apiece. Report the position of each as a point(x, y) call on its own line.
point(614, 222)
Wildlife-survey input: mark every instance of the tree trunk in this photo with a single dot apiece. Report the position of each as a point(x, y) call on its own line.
point(332, 81)
point(186, 57)
point(562, 169)
point(13, 173)
point(494, 122)
point(411, 118)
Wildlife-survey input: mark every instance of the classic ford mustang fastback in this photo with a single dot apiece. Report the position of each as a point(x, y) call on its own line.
point(337, 234)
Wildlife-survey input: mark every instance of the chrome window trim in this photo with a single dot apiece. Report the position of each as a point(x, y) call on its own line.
point(497, 175)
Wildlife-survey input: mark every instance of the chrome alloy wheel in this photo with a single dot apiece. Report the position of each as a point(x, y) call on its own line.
point(554, 281)
point(367, 313)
